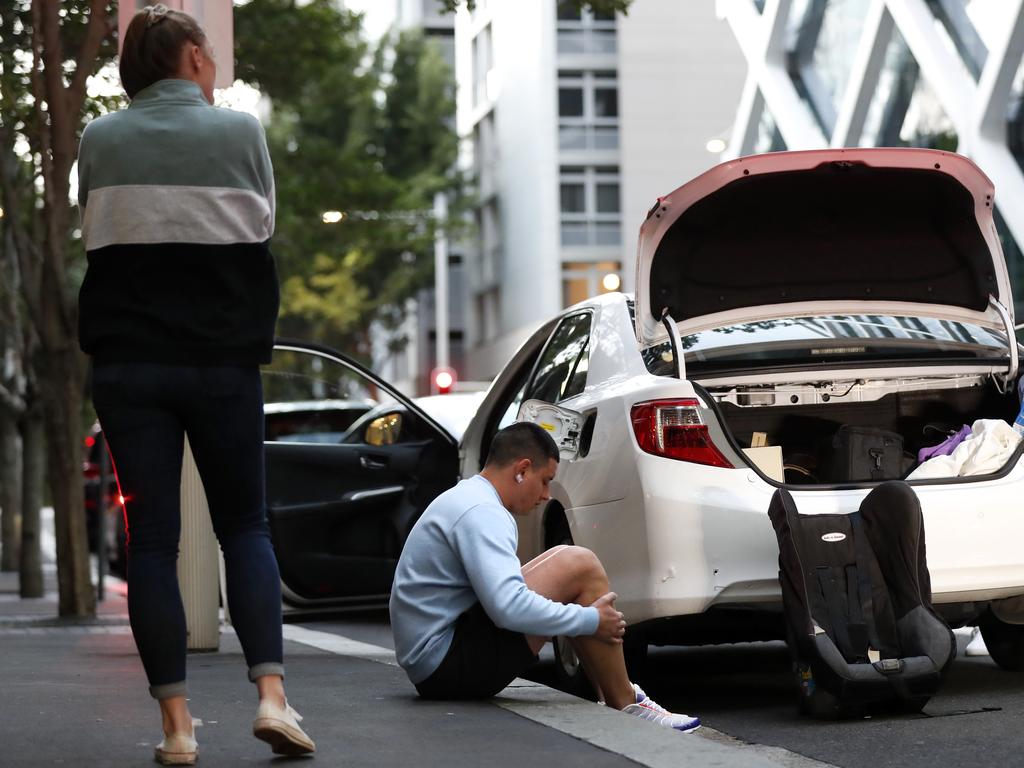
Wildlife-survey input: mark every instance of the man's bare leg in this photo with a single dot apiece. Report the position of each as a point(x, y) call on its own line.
point(575, 575)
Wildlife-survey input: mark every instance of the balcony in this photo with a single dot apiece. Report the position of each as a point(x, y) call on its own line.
point(576, 234)
point(588, 137)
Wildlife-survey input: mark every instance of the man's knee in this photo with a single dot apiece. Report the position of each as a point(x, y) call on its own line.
point(583, 563)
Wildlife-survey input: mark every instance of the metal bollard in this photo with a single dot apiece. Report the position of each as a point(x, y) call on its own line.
point(198, 561)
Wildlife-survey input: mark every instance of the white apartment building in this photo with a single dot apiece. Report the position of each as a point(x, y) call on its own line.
point(945, 74)
point(574, 123)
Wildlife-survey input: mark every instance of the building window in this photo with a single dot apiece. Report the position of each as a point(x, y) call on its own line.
point(573, 198)
point(568, 11)
point(488, 314)
point(769, 137)
point(960, 33)
point(584, 31)
point(588, 110)
point(823, 40)
point(570, 102)
point(583, 279)
point(483, 63)
point(905, 111)
point(606, 102)
point(488, 221)
point(608, 198)
point(591, 208)
point(485, 155)
point(1014, 262)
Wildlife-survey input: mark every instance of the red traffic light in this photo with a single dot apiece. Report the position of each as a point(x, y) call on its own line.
point(442, 380)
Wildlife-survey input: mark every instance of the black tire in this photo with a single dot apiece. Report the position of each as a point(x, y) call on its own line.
point(1005, 642)
point(568, 670)
point(634, 649)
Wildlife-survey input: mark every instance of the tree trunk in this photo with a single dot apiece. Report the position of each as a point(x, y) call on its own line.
point(10, 492)
point(60, 382)
point(61, 366)
point(33, 469)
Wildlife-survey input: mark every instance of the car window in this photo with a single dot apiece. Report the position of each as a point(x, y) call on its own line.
point(309, 398)
point(829, 339)
point(562, 370)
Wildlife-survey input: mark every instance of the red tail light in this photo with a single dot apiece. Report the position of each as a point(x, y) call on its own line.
point(674, 429)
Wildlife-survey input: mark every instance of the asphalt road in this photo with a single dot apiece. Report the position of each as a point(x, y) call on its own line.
point(747, 691)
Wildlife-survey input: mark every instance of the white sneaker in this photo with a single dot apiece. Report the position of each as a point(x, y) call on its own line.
point(648, 709)
point(976, 645)
point(179, 749)
point(280, 729)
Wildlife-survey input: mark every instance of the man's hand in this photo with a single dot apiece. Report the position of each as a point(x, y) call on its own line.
point(611, 625)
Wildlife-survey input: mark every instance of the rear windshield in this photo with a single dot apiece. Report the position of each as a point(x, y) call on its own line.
point(829, 340)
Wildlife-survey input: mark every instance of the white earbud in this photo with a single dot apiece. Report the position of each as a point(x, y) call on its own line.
point(519, 478)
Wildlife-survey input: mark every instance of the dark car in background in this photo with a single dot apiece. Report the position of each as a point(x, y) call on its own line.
point(102, 497)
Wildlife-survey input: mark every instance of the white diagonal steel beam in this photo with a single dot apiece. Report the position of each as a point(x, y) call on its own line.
point(863, 80)
point(952, 84)
point(996, 82)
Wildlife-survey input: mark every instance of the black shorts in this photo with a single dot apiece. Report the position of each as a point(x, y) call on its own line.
point(481, 661)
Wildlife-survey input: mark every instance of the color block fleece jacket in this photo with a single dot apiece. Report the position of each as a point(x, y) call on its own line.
point(177, 202)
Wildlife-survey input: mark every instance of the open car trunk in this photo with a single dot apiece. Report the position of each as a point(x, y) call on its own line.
point(807, 421)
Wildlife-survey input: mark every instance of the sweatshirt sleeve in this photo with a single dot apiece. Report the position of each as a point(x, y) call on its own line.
point(485, 539)
point(266, 173)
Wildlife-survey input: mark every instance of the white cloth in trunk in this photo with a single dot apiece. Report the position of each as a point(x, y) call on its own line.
point(985, 450)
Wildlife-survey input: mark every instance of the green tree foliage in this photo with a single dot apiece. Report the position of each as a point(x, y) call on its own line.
point(366, 133)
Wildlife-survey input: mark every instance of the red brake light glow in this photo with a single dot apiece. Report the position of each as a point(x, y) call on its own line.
point(674, 429)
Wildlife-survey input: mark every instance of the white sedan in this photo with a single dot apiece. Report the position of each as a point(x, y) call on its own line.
point(782, 301)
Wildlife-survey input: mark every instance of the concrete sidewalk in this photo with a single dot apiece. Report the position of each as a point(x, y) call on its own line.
point(75, 693)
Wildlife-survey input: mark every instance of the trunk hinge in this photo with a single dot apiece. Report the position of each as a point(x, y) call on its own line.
point(1008, 381)
point(675, 341)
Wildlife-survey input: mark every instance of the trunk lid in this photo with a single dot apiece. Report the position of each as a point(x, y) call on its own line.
point(837, 231)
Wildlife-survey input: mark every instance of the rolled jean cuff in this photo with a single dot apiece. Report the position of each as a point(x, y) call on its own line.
point(168, 690)
point(267, 668)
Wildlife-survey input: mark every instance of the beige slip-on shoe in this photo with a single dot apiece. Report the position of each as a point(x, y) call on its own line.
point(179, 749)
point(279, 727)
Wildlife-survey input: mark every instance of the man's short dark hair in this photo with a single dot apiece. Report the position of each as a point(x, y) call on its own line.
point(522, 440)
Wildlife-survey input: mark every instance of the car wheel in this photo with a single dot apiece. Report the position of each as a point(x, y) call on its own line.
point(634, 649)
point(1005, 642)
point(568, 670)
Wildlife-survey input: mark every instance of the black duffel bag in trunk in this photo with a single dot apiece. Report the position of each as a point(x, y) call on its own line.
point(865, 453)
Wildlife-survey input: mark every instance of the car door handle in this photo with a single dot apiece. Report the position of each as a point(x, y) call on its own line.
point(373, 462)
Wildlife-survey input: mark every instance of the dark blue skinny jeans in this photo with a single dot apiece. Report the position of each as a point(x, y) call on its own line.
point(145, 410)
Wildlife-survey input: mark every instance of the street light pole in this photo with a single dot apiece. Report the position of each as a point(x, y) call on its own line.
point(441, 280)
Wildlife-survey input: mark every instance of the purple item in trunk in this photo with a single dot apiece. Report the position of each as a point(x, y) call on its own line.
point(945, 447)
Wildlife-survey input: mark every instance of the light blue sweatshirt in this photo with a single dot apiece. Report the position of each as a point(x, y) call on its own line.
point(463, 550)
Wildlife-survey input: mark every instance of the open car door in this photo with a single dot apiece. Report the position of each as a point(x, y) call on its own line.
point(351, 464)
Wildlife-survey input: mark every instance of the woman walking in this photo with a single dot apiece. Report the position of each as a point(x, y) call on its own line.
point(177, 310)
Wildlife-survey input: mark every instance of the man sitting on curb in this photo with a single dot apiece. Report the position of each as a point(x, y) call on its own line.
point(468, 620)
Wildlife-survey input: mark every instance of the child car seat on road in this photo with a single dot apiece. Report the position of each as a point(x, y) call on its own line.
point(857, 600)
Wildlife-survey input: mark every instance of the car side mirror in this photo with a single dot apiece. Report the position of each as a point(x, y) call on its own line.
point(384, 430)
